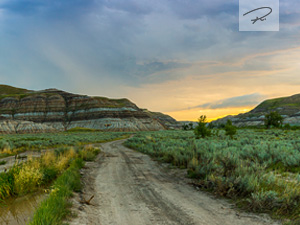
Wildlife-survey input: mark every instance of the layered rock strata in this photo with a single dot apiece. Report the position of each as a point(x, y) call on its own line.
point(62, 111)
point(23, 127)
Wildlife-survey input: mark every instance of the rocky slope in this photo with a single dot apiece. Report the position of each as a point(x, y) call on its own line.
point(62, 111)
point(22, 127)
point(288, 107)
point(167, 121)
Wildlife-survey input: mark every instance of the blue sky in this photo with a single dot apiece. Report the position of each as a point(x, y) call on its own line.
point(183, 57)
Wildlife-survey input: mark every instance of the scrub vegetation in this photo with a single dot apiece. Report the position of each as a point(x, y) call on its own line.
point(13, 144)
point(56, 170)
point(257, 168)
point(55, 208)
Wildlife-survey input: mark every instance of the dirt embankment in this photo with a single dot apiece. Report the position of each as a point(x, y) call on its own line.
point(130, 188)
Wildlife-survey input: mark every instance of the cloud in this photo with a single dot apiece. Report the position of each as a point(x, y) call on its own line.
point(138, 42)
point(239, 101)
point(163, 54)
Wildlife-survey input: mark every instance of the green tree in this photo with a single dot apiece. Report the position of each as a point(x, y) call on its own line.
point(273, 119)
point(201, 130)
point(230, 130)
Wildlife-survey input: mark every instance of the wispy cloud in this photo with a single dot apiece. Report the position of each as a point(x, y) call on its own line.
point(238, 101)
point(163, 54)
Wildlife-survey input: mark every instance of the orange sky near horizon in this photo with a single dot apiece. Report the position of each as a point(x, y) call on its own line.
point(221, 89)
point(211, 114)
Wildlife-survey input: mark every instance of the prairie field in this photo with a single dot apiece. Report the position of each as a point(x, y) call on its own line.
point(259, 169)
point(15, 143)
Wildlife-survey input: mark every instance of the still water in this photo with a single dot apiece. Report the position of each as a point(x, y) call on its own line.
point(19, 211)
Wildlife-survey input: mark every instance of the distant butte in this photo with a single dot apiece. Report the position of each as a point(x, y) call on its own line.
point(26, 111)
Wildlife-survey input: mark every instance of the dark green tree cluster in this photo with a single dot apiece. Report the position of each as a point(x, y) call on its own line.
point(230, 130)
point(273, 119)
point(201, 130)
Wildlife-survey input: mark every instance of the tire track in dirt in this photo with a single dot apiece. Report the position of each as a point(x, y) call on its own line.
point(130, 188)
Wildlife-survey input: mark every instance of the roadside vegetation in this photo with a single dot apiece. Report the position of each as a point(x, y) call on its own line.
point(56, 170)
point(56, 207)
point(258, 168)
point(13, 144)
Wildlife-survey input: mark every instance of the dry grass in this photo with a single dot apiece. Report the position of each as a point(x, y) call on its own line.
point(6, 151)
point(29, 177)
point(49, 158)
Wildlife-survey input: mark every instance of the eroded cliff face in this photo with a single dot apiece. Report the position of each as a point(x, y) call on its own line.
point(23, 127)
point(63, 111)
point(167, 121)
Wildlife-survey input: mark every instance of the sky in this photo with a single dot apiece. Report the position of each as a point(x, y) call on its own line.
point(185, 58)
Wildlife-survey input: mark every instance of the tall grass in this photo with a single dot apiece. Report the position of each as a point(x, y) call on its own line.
point(36, 172)
point(55, 207)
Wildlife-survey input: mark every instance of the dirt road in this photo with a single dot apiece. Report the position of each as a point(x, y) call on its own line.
point(130, 188)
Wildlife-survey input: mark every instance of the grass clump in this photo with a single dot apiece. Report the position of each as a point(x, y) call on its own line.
point(55, 207)
point(29, 176)
point(89, 153)
point(7, 183)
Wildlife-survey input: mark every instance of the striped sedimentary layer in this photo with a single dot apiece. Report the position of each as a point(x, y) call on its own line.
point(22, 127)
point(112, 124)
point(63, 111)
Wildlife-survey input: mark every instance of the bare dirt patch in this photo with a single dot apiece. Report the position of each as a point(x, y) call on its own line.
point(21, 157)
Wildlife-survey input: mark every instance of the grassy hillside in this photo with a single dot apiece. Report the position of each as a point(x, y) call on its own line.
point(9, 90)
point(19, 93)
point(285, 105)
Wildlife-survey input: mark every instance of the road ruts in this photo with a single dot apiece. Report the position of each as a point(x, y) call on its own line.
point(132, 189)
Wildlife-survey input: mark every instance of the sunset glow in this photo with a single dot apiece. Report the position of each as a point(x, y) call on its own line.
point(184, 58)
point(193, 115)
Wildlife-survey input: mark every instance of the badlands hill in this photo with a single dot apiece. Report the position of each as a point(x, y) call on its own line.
point(288, 107)
point(23, 111)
